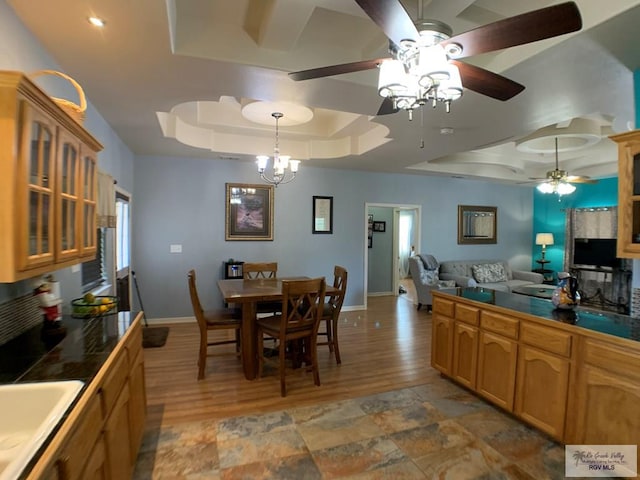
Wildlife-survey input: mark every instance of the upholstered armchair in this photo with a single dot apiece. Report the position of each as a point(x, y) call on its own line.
point(424, 273)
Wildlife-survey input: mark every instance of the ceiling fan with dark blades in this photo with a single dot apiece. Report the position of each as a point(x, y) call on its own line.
point(409, 44)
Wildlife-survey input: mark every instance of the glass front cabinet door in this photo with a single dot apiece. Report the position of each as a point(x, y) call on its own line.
point(37, 162)
point(48, 183)
point(628, 193)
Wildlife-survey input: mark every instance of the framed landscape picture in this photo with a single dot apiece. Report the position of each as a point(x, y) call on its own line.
point(249, 212)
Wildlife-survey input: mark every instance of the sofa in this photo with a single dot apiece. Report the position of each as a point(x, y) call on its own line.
point(493, 274)
point(424, 273)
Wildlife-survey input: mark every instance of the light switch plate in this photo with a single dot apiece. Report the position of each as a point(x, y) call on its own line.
point(175, 248)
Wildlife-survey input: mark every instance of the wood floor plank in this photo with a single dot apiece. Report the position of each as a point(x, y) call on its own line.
point(386, 347)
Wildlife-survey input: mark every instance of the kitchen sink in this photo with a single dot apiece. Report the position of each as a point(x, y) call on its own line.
point(28, 414)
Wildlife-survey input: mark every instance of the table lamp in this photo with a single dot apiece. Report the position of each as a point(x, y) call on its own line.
point(544, 239)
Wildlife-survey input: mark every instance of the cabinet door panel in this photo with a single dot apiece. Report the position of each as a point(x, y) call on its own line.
point(541, 396)
point(35, 203)
point(441, 343)
point(496, 376)
point(608, 411)
point(118, 438)
point(465, 354)
point(88, 208)
point(67, 212)
point(137, 404)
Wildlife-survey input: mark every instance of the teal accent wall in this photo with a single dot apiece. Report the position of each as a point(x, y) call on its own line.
point(549, 215)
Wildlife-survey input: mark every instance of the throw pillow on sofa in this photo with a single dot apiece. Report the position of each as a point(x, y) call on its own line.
point(489, 273)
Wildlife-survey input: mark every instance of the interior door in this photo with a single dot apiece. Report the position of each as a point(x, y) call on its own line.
point(123, 250)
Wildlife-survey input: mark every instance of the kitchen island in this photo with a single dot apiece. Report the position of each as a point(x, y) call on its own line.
point(100, 434)
point(574, 375)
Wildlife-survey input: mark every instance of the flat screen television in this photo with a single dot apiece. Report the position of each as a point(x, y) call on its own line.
point(595, 252)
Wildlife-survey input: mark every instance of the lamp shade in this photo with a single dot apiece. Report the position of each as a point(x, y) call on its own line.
point(544, 238)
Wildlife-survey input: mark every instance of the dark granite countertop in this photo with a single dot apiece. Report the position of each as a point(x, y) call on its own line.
point(609, 323)
point(74, 351)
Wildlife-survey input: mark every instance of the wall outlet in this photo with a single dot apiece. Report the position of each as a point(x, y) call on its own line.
point(175, 248)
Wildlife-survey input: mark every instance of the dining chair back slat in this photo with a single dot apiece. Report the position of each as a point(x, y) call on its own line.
point(251, 271)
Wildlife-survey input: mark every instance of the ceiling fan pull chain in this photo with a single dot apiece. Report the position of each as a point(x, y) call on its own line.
point(421, 126)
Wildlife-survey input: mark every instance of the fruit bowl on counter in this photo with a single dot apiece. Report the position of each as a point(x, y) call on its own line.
point(91, 306)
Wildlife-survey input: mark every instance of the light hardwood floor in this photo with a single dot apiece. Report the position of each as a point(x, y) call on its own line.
point(384, 348)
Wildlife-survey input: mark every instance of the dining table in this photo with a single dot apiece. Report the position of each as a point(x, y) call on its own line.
point(247, 294)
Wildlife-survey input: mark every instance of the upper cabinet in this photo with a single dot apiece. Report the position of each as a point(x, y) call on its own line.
point(48, 178)
point(628, 193)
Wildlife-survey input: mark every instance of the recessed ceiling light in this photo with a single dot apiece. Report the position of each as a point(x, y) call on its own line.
point(96, 22)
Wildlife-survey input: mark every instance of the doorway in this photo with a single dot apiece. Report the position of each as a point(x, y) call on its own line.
point(386, 253)
point(123, 249)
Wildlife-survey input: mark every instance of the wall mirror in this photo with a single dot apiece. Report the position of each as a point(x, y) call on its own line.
point(477, 224)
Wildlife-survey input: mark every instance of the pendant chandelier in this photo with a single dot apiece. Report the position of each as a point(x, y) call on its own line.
point(284, 169)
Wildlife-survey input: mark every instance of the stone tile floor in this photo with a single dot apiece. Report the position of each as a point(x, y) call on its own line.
point(436, 430)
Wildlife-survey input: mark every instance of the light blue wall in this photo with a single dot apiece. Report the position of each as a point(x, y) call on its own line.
point(21, 51)
point(181, 201)
point(549, 215)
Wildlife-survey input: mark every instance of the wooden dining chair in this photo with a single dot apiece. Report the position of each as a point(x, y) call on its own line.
point(296, 327)
point(331, 312)
point(251, 271)
point(265, 270)
point(211, 320)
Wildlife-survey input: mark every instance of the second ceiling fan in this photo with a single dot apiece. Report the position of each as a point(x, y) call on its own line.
point(424, 65)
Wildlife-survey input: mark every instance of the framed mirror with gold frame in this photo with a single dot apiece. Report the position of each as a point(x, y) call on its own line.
point(477, 225)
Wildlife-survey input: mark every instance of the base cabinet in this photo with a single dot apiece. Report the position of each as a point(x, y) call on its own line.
point(497, 369)
point(441, 346)
point(465, 354)
point(541, 391)
point(579, 386)
point(118, 437)
point(102, 434)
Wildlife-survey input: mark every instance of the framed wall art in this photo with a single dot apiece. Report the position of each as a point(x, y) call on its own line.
point(379, 226)
point(322, 214)
point(249, 212)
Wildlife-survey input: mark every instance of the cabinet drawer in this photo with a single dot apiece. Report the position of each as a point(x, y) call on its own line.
point(549, 339)
point(76, 451)
point(467, 314)
point(494, 322)
point(114, 380)
point(444, 307)
point(612, 358)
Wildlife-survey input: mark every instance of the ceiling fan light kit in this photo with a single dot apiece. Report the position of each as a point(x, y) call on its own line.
point(423, 66)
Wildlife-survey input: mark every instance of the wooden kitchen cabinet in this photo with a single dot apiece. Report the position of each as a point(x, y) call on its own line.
point(118, 437)
point(578, 385)
point(628, 193)
point(442, 335)
point(541, 392)
point(543, 378)
point(497, 369)
point(606, 404)
point(465, 345)
point(48, 183)
point(103, 432)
